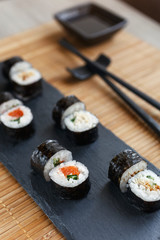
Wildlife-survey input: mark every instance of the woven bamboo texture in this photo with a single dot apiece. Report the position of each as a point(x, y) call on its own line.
point(132, 59)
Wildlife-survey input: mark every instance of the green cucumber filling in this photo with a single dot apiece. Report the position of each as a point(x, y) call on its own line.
point(74, 177)
point(73, 119)
point(16, 120)
point(56, 161)
point(14, 105)
point(150, 177)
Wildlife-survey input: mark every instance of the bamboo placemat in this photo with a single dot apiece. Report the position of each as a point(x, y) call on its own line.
point(133, 60)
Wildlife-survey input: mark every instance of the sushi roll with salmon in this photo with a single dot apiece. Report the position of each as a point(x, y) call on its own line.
point(26, 81)
point(144, 191)
point(18, 121)
point(7, 101)
point(125, 165)
point(71, 179)
point(83, 126)
point(65, 107)
point(47, 156)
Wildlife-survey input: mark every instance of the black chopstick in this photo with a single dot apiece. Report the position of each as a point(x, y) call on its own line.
point(140, 112)
point(98, 69)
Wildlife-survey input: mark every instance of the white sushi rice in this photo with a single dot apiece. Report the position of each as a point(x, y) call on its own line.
point(25, 120)
point(63, 155)
point(26, 77)
point(58, 177)
point(140, 166)
point(70, 110)
point(9, 104)
point(146, 185)
point(81, 121)
point(19, 67)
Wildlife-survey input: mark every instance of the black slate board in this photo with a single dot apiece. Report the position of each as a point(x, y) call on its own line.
point(103, 214)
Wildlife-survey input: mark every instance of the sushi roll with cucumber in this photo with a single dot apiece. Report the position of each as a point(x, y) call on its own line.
point(6, 66)
point(65, 107)
point(69, 113)
point(47, 156)
point(144, 191)
point(7, 101)
point(26, 81)
point(71, 179)
point(125, 165)
point(83, 126)
point(18, 121)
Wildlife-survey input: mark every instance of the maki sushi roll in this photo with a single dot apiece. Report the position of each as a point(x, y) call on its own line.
point(69, 113)
point(18, 121)
point(83, 125)
point(8, 64)
point(7, 101)
point(47, 156)
point(140, 186)
point(125, 165)
point(71, 179)
point(65, 107)
point(144, 190)
point(26, 81)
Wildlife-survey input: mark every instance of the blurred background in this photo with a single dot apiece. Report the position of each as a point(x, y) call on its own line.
point(149, 7)
point(143, 15)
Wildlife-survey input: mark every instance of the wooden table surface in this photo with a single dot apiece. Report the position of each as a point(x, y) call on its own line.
point(132, 59)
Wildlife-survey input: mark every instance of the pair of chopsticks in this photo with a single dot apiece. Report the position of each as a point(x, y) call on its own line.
point(97, 68)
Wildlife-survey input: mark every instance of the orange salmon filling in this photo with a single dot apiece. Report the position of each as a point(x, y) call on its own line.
point(70, 170)
point(16, 113)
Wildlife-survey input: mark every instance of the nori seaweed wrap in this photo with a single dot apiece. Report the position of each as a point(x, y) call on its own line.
point(47, 156)
point(125, 165)
point(5, 96)
point(86, 137)
point(27, 92)
point(64, 107)
point(20, 133)
point(71, 180)
point(8, 64)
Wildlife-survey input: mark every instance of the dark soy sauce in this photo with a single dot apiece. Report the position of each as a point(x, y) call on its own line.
point(90, 24)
